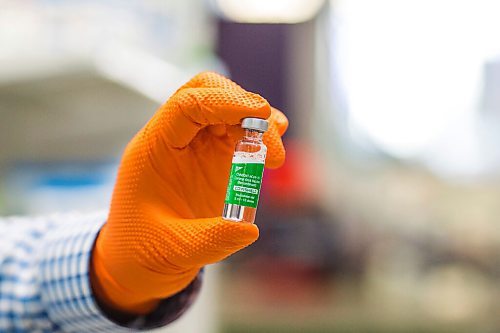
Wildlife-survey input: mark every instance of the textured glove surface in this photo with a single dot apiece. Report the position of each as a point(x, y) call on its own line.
point(164, 222)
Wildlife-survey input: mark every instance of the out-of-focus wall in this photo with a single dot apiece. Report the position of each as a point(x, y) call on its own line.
point(384, 217)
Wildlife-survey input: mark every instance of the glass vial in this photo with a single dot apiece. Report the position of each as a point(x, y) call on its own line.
point(245, 179)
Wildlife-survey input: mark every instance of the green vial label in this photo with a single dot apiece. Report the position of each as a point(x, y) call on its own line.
point(244, 184)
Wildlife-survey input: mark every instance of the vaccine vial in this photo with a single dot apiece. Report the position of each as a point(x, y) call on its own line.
point(245, 179)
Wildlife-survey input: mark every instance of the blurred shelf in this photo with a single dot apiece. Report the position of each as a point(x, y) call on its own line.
point(79, 108)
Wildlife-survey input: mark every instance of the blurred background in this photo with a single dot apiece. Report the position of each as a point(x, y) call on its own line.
point(390, 221)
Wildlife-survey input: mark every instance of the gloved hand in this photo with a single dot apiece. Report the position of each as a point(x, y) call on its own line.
point(164, 222)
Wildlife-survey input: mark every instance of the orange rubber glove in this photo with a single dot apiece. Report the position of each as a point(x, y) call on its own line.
point(164, 222)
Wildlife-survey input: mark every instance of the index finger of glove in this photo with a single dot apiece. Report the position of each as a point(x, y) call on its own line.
point(192, 109)
point(210, 80)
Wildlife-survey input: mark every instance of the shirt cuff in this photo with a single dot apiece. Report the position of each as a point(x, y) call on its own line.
point(65, 284)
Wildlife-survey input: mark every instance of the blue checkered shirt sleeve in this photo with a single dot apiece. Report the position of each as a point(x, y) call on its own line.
point(44, 279)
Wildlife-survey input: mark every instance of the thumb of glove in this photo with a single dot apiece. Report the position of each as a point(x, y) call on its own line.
point(198, 242)
point(165, 257)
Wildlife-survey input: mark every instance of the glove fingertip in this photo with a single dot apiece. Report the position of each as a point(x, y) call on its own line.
point(279, 119)
point(239, 232)
point(275, 149)
point(275, 163)
point(254, 104)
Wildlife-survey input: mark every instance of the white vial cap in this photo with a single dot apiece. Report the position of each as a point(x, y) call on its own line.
point(256, 124)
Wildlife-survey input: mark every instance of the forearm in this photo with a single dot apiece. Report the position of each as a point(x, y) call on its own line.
point(45, 284)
